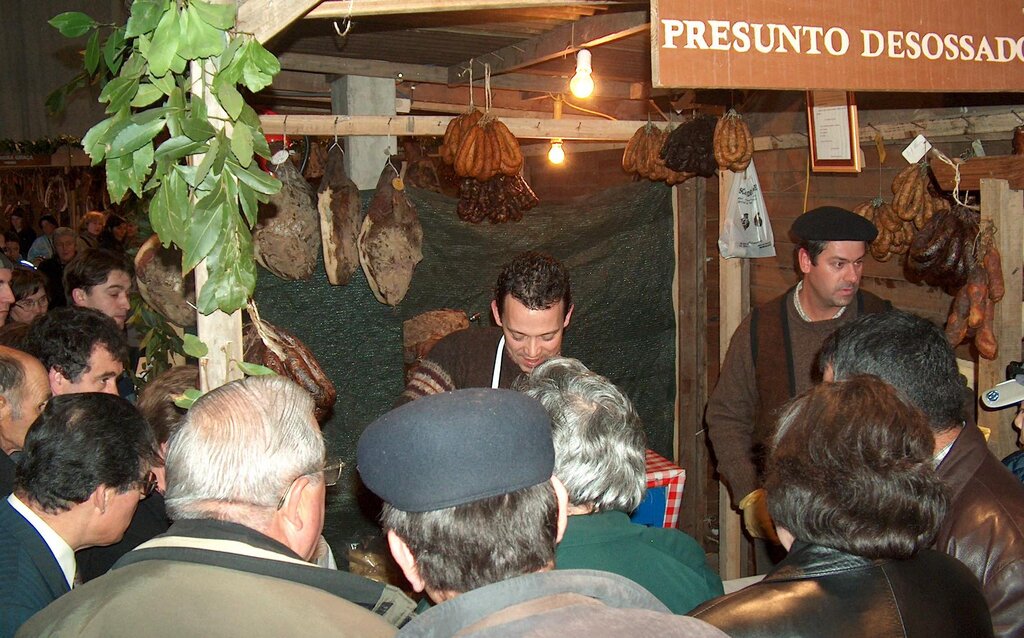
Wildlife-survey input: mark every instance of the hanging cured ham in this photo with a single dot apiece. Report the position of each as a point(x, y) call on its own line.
point(158, 274)
point(287, 236)
point(391, 240)
point(340, 219)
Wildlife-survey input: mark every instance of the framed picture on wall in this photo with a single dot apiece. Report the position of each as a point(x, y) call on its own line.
point(833, 132)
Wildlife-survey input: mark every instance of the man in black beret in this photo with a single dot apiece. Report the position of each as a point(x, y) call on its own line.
point(473, 514)
point(772, 353)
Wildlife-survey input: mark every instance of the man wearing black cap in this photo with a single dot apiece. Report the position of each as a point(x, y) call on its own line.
point(772, 353)
point(476, 528)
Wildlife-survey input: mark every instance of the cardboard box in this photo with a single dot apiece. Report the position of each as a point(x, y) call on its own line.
point(664, 498)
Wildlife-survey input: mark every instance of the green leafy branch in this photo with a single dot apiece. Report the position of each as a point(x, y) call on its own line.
point(164, 65)
point(195, 347)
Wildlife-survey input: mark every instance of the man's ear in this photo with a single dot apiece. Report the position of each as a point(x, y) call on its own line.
point(568, 316)
point(404, 558)
point(803, 258)
point(5, 408)
point(295, 510)
point(78, 297)
point(99, 498)
point(57, 381)
point(562, 495)
point(495, 313)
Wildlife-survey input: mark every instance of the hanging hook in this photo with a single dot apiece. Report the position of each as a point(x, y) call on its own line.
point(336, 144)
point(348, 22)
point(284, 132)
point(1020, 120)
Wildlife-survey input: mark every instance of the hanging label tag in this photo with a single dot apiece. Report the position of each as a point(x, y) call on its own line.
point(279, 157)
point(880, 145)
point(916, 149)
point(979, 150)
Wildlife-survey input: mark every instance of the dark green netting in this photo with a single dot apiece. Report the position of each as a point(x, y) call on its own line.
point(618, 247)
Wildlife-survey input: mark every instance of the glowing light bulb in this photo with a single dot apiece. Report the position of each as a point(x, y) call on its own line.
point(582, 83)
point(556, 154)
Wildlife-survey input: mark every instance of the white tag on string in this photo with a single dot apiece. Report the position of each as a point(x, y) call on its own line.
point(916, 149)
point(279, 157)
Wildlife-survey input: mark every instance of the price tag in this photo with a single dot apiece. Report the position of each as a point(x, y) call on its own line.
point(917, 149)
point(880, 145)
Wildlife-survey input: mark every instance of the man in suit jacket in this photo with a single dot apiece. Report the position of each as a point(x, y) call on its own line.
point(24, 390)
point(85, 465)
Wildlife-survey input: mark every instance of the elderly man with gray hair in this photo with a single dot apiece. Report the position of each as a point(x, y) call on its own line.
point(246, 478)
point(599, 456)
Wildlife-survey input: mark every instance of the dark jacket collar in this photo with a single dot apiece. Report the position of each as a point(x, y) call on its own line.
point(963, 459)
point(227, 531)
point(806, 560)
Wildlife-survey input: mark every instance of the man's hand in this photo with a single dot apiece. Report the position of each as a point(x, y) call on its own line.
point(756, 518)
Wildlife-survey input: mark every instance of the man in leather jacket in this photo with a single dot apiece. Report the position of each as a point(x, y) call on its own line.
point(984, 526)
point(855, 500)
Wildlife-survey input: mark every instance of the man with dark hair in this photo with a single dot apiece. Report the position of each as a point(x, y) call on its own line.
point(102, 280)
point(771, 354)
point(84, 468)
point(156, 403)
point(65, 247)
point(984, 527)
point(532, 307)
point(21, 230)
point(24, 390)
point(82, 349)
point(856, 502)
point(476, 528)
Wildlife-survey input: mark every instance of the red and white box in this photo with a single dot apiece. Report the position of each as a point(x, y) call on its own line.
point(664, 498)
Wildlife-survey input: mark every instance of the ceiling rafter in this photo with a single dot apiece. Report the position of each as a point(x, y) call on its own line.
point(345, 8)
point(566, 39)
point(266, 18)
point(439, 75)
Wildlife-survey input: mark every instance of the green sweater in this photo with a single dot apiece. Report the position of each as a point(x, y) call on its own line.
point(666, 562)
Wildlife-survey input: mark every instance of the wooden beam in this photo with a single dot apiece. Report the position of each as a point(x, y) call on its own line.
point(566, 39)
point(400, 126)
point(438, 75)
point(358, 8)
point(266, 18)
point(690, 288)
point(972, 171)
point(734, 301)
point(1005, 208)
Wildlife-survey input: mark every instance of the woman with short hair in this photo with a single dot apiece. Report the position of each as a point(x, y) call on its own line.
point(856, 503)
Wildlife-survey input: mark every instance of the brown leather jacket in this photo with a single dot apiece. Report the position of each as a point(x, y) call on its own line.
point(984, 528)
point(819, 591)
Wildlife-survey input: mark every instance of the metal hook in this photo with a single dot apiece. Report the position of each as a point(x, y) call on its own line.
point(1020, 120)
point(336, 144)
point(284, 131)
point(348, 27)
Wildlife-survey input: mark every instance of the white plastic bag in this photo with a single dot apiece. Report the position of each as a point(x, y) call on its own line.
point(746, 232)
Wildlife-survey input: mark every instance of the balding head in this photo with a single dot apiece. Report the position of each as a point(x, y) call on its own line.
point(251, 452)
point(24, 390)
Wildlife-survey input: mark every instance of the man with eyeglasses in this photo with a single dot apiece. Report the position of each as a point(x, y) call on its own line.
point(85, 466)
point(246, 478)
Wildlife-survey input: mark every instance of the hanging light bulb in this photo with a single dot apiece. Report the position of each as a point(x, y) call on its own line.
point(582, 84)
point(556, 154)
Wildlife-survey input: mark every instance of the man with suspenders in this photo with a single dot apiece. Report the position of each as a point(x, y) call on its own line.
point(532, 306)
point(772, 353)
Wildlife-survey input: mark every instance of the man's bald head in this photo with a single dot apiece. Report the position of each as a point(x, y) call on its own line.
point(24, 390)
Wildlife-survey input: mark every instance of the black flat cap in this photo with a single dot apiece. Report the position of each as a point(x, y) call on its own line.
point(831, 223)
point(456, 447)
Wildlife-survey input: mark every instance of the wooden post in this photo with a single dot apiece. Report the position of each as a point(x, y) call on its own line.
point(689, 205)
point(734, 298)
point(221, 332)
point(1005, 208)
